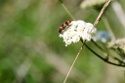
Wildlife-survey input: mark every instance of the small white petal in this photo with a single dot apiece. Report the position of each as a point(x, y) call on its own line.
point(78, 30)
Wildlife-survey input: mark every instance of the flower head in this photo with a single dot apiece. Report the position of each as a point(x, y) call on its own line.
point(77, 30)
point(118, 44)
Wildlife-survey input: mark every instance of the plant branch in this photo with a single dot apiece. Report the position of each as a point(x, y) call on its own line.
point(97, 45)
point(104, 51)
point(73, 63)
point(66, 9)
point(101, 12)
point(115, 58)
point(106, 60)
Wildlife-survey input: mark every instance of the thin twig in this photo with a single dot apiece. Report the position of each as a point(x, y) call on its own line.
point(104, 51)
point(105, 60)
point(101, 12)
point(97, 45)
point(66, 9)
point(73, 63)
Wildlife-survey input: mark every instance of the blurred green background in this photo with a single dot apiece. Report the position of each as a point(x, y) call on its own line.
point(32, 52)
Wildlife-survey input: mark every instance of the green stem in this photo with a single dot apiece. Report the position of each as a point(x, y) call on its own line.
point(73, 62)
point(97, 45)
point(106, 60)
point(66, 9)
point(104, 52)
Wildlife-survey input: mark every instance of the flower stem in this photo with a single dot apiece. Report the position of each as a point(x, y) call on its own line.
point(107, 57)
point(106, 60)
point(102, 12)
point(66, 9)
point(73, 63)
point(97, 45)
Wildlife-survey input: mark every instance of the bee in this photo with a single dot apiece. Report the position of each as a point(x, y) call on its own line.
point(64, 25)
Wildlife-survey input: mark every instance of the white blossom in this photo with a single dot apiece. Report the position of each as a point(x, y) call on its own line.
point(77, 30)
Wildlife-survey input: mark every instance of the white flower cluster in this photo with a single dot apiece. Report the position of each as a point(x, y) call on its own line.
point(78, 30)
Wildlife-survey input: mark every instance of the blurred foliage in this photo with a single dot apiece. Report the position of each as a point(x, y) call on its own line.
point(32, 52)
